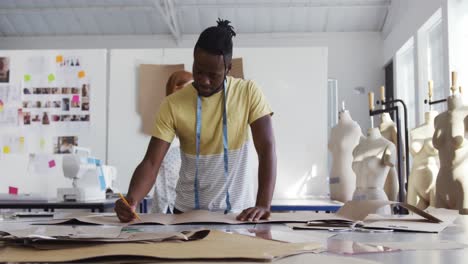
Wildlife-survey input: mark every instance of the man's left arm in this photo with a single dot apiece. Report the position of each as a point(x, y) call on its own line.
point(264, 141)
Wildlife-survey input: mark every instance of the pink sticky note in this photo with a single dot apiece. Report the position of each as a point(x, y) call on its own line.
point(51, 163)
point(12, 190)
point(76, 99)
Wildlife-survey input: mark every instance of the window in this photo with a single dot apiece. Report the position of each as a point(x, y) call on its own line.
point(405, 88)
point(435, 63)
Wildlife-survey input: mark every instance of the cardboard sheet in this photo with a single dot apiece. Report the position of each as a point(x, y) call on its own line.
point(152, 91)
point(192, 217)
point(359, 210)
point(361, 217)
point(64, 236)
point(353, 214)
point(411, 223)
point(237, 69)
point(217, 245)
point(64, 231)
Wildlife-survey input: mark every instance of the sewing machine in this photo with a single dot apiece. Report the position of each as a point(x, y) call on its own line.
point(88, 181)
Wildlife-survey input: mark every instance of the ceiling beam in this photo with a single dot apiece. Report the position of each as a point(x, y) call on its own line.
point(172, 6)
point(5, 11)
point(272, 4)
point(168, 11)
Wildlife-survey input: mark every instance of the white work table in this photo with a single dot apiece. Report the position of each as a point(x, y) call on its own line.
point(457, 232)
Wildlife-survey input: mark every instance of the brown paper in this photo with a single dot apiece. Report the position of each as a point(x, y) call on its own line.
point(152, 91)
point(359, 210)
point(237, 70)
point(217, 245)
point(70, 235)
point(191, 217)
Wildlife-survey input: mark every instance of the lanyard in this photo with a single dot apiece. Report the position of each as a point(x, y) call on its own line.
point(225, 150)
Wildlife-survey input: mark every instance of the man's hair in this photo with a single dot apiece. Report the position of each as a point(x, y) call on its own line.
point(217, 40)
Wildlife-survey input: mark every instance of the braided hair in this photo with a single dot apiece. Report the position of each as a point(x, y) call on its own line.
point(217, 40)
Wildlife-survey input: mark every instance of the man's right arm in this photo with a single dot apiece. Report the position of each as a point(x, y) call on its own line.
point(143, 178)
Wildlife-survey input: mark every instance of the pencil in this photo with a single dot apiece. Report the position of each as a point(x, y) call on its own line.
point(125, 201)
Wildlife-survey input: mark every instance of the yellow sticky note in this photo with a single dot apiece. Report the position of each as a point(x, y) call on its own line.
point(27, 77)
point(21, 140)
point(6, 149)
point(42, 143)
point(81, 74)
point(59, 59)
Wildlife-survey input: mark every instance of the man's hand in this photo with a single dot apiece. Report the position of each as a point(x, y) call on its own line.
point(254, 214)
point(124, 212)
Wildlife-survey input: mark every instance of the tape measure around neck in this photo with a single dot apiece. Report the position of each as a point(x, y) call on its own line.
point(225, 150)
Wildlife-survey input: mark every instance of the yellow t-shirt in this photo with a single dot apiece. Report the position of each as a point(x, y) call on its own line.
point(177, 116)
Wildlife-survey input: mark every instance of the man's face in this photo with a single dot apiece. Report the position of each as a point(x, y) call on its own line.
point(208, 72)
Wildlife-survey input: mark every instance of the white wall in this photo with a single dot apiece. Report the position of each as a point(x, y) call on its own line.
point(354, 59)
point(404, 20)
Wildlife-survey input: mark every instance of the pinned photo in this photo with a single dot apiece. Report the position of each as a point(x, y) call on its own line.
point(75, 104)
point(26, 118)
point(75, 118)
point(66, 90)
point(4, 70)
point(66, 104)
point(85, 104)
point(65, 145)
point(27, 91)
point(45, 119)
point(56, 90)
point(85, 90)
point(36, 118)
point(57, 104)
point(65, 118)
point(85, 118)
point(75, 90)
point(27, 104)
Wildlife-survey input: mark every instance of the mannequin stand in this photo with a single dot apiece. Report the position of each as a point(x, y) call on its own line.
point(390, 109)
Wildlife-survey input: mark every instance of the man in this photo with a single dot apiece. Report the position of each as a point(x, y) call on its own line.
point(211, 118)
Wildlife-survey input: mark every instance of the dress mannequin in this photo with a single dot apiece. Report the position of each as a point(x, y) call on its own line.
point(343, 138)
point(388, 129)
point(449, 140)
point(168, 175)
point(374, 157)
point(421, 185)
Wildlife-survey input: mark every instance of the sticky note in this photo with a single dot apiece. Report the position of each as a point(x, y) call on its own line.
point(81, 74)
point(59, 58)
point(76, 99)
point(12, 190)
point(6, 149)
point(51, 163)
point(21, 140)
point(51, 77)
point(42, 143)
point(27, 77)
